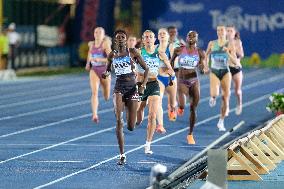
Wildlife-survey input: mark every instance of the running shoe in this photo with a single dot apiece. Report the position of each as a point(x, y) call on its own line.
point(180, 111)
point(148, 150)
point(172, 115)
point(239, 109)
point(160, 129)
point(190, 139)
point(122, 159)
point(220, 125)
point(212, 101)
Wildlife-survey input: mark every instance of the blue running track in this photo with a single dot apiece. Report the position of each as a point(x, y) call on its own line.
point(47, 139)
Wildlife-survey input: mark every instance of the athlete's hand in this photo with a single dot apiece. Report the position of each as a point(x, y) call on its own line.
point(105, 74)
point(141, 89)
point(96, 59)
point(171, 71)
point(171, 81)
point(88, 67)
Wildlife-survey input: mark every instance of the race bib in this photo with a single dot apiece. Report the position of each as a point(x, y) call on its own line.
point(219, 60)
point(189, 62)
point(122, 65)
point(97, 63)
point(153, 64)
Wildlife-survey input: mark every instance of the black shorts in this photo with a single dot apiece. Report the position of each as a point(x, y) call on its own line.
point(126, 85)
point(152, 88)
point(235, 70)
point(220, 72)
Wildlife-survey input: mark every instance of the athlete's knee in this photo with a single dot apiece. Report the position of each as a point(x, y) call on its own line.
point(152, 116)
point(192, 107)
point(238, 92)
point(106, 97)
point(119, 129)
point(119, 122)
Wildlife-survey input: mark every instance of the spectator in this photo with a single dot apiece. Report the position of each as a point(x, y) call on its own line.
point(4, 49)
point(14, 42)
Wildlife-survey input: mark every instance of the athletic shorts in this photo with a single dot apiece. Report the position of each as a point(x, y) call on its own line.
point(235, 70)
point(126, 85)
point(220, 72)
point(99, 70)
point(165, 79)
point(152, 88)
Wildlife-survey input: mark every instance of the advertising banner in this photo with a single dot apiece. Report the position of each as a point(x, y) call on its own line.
point(260, 23)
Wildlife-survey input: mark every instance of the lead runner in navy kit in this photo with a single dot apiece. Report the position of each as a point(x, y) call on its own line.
point(125, 90)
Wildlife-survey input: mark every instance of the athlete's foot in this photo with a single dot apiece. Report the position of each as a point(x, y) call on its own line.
point(190, 139)
point(212, 101)
point(172, 115)
point(160, 129)
point(220, 125)
point(239, 109)
point(95, 119)
point(180, 111)
point(148, 150)
point(122, 159)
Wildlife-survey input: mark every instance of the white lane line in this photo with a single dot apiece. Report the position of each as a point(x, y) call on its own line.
point(157, 140)
point(60, 161)
point(146, 162)
point(272, 79)
point(31, 85)
point(40, 90)
point(58, 144)
point(251, 74)
point(84, 136)
point(104, 145)
point(45, 110)
point(45, 99)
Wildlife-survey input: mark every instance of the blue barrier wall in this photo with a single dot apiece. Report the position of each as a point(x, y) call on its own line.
point(261, 22)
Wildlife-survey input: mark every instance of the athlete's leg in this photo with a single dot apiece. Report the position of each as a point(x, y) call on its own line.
point(118, 108)
point(131, 105)
point(181, 98)
point(160, 108)
point(153, 102)
point(194, 93)
point(225, 86)
point(140, 111)
point(214, 88)
point(106, 87)
point(172, 92)
point(238, 78)
point(94, 83)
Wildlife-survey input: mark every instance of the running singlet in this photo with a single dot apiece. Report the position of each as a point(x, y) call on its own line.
point(152, 61)
point(219, 58)
point(122, 65)
point(188, 60)
point(162, 63)
point(97, 52)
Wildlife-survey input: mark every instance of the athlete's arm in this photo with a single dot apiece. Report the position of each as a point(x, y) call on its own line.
point(176, 53)
point(239, 49)
point(164, 58)
point(137, 56)
point(108, 67)
point(208, 52)
point(88, 65)
point(230, 50)
point(203, 66)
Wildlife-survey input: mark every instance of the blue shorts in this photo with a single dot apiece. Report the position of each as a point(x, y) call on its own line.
point(165, 79)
